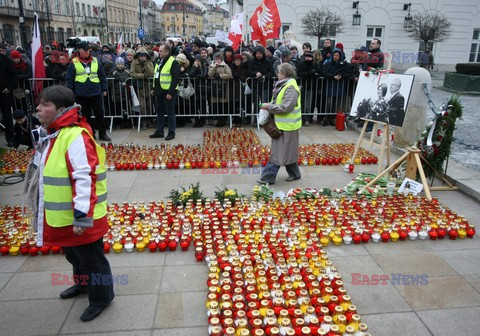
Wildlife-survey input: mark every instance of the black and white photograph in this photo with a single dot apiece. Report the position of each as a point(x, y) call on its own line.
point(382, 97)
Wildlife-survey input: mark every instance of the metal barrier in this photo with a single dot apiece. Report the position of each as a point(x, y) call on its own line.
point(202, 98)
point(320, 96)
point(208, 97)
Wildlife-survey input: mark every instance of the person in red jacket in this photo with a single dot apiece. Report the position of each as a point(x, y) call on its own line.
point(66, 192)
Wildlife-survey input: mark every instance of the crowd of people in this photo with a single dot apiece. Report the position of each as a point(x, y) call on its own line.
point(213, 76)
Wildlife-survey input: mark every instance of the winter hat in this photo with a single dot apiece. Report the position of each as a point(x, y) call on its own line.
point(15, 54)
point(18, 114)
point(119, 60)
point(271, 49)
point(308, 54)
point(238, 56)
point(286, 53)
point(339, 45)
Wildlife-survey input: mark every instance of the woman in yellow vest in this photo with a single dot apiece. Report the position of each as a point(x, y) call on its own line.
point(66, 190)
point(287, 113)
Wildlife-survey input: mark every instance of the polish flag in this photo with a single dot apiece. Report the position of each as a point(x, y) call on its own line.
point(236, 31)
point(265, 22)
point(38, 66)
point(119, 45)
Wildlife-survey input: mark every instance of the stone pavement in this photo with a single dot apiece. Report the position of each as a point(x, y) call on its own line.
point(166, 292)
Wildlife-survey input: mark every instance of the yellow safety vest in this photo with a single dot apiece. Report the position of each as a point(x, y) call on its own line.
point(165, 75)
point(57, 187)
point(81, 75)
point(293, 120)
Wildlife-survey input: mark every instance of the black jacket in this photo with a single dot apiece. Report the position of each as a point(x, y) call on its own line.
point(374, 59)
point(262, 65)
point(22, 133)
point(57, 71)
point(308, 69)
point(396, 111)
point(8, 76)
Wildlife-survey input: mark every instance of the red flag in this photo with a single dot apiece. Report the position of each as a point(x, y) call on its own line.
point(235, 34)
point(265, 21)
point(38, 66)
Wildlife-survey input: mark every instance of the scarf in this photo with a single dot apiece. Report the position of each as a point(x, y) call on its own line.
point(20, 66)
point(278, 86)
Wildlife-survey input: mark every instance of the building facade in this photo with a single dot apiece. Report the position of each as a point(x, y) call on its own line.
point(217, 18)
point(385, 19)
point(123, 19)
point(183, 18)
point(58, 19)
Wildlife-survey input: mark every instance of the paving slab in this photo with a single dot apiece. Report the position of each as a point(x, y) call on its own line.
point(117, 333)
point(33, 317)
point(178, 257)
point(395, 324)
point(399, 247)
point(11, 264)
point(33, 285)
point(195, 331)
point(4, 278)
point(181, 309)
point(448, 322)
point(51, 263)
point(414, 264)
point(141, 280)
point(473, 280)
point(373, 299)
point(363, 264)
point(144, 258)
point(462, 261)
point(127, 312)
point(184, 278)
point(439, 293)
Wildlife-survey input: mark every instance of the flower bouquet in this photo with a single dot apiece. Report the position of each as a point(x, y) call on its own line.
point(181, 197)
point(223, 194)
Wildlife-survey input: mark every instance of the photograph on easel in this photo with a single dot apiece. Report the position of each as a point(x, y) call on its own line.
point(382, 97)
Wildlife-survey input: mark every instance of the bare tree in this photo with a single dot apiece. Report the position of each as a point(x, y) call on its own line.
point(322, 22)
point(429, 27)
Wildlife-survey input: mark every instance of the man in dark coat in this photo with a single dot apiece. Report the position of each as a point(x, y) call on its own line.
point(338, 74)
point(327, 49)
point(8, 82)
point(396, 104)
point(261, 69)
point(375, 58)
point(23, 129)
point(308, 71)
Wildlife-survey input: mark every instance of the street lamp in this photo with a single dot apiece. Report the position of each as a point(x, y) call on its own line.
point(357, 17)
point(407, 22)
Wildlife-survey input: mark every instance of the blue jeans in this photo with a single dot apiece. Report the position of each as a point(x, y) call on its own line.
point(164, 106)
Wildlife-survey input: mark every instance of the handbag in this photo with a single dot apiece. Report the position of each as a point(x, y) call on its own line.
point(186, 92)
point(247, 90)
point(271, 128)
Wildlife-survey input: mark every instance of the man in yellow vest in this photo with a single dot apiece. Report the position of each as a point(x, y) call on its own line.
point(166, 76)
point(86, 78)
point(286, 109)
point(66, 191)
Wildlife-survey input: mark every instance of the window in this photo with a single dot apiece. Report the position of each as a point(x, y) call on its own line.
point(83, 10)
point(373, 32)
point(285, 27)
point(421, 46)
point(77, 7)
point(67, 7)
point(475, 47)
point(89, 10)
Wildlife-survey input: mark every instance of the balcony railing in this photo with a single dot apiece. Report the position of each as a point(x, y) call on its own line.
point(14, 11)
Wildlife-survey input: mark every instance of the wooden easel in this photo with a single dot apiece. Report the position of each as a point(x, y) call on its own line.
point(414, 165)
point(385, 145)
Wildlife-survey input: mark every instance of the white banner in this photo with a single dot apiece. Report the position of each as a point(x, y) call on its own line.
point(222, 36)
